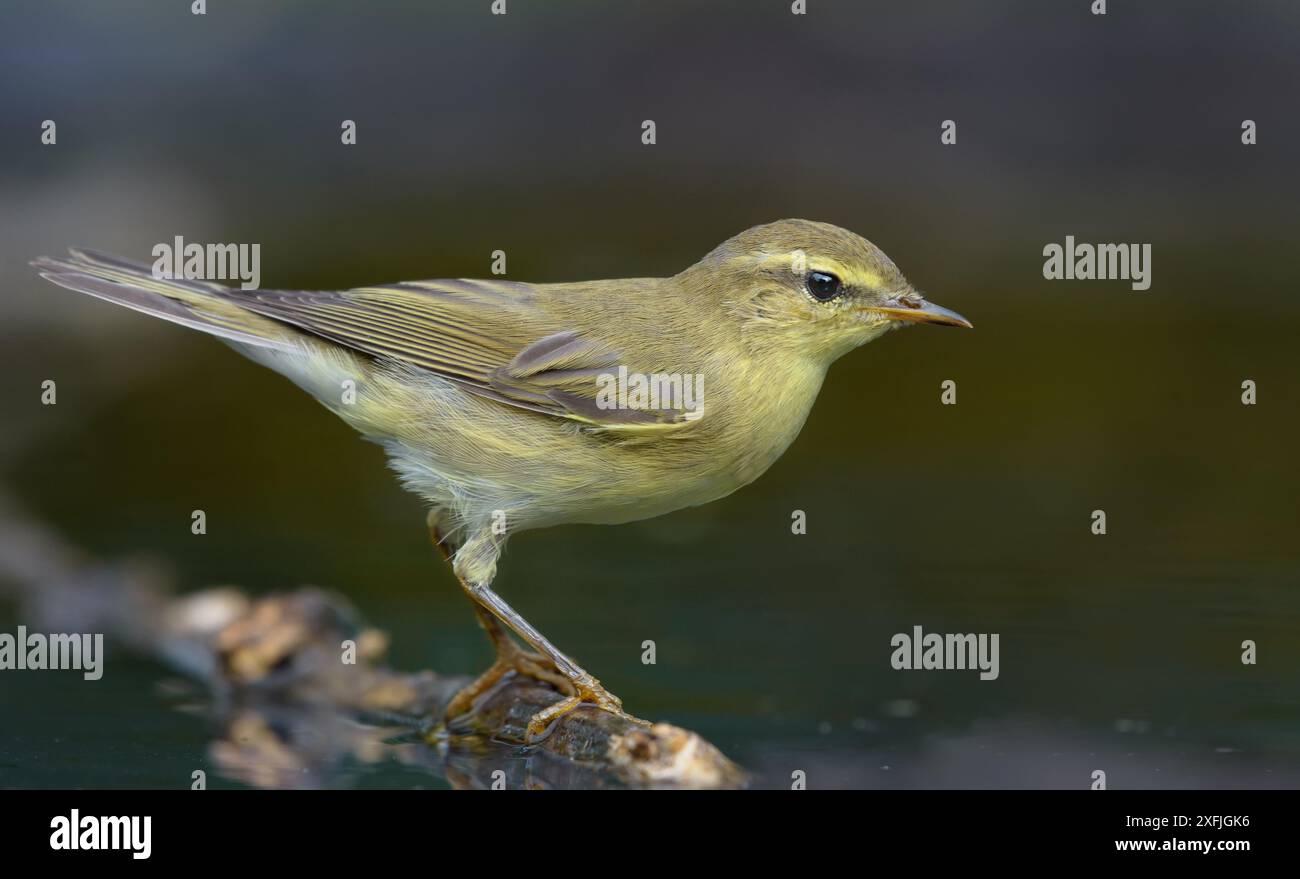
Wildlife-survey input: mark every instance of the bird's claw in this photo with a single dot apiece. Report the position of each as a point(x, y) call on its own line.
point(532, 665)
point(586, 691)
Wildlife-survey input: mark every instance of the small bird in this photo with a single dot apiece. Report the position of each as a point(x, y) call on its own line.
point(508, 406)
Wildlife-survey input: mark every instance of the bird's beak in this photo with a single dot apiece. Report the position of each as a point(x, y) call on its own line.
point(914, 309)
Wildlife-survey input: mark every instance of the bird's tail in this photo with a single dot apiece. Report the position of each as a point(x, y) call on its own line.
point(201, 305)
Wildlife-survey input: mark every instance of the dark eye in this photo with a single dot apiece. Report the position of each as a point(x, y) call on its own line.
point(823, 285)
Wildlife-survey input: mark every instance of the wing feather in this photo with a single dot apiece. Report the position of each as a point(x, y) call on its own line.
point(490, 337)
point(496, 339)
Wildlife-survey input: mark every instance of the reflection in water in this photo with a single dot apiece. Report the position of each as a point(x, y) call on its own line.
point(296, 747)
point(301, 748)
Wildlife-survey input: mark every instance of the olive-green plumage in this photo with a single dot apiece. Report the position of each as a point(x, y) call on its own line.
point(487, 395)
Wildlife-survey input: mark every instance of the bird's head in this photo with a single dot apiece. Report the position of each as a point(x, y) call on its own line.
point(811, 288)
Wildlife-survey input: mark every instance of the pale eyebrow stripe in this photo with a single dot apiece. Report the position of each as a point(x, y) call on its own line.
point(870, 280)
point(859, 278)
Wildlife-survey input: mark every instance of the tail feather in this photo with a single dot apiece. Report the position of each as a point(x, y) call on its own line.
point(201, 305)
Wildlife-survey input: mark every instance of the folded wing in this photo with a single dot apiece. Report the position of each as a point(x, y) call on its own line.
point(489, 337)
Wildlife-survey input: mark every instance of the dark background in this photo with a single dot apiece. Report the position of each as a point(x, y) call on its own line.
point(479, 132)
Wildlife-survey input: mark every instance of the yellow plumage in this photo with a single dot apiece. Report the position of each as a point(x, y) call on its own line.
point(491, 400)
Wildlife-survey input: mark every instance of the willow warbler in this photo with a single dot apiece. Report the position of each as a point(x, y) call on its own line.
point(509, 406)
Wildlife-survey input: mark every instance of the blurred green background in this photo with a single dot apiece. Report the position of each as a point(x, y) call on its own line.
point(522, 133)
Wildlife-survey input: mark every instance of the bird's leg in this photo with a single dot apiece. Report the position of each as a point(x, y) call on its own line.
point(509, 656)
point(580, 687)
point(475, 565)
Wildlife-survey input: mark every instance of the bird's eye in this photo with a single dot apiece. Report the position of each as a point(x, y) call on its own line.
point(823, 286)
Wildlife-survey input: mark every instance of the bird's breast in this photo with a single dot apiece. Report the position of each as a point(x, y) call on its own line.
point(765, 417)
